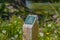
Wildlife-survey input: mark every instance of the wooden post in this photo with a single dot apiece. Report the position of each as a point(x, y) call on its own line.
point(30, 28)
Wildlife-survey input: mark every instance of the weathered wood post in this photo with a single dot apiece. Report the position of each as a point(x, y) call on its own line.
point(30, 28)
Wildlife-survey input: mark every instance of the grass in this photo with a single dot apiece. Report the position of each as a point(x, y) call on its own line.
point(45, 7)
point(11, 30)
point(50, 30)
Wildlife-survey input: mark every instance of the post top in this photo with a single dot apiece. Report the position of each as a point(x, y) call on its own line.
point(30, 20)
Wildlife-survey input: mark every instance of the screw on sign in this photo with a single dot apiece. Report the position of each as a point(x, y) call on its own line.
point(30, 28)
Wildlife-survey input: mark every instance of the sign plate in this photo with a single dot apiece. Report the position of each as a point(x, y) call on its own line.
point(30, 20)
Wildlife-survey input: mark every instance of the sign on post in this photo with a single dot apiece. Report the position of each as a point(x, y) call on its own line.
point(30, 28)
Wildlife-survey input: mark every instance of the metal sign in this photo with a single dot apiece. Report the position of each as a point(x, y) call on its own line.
point(30, 20)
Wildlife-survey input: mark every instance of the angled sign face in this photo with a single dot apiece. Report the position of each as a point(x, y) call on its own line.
point(30, 20)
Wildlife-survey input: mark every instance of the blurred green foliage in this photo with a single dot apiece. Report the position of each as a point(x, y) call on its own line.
point(49, 27)
point(11, 30)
